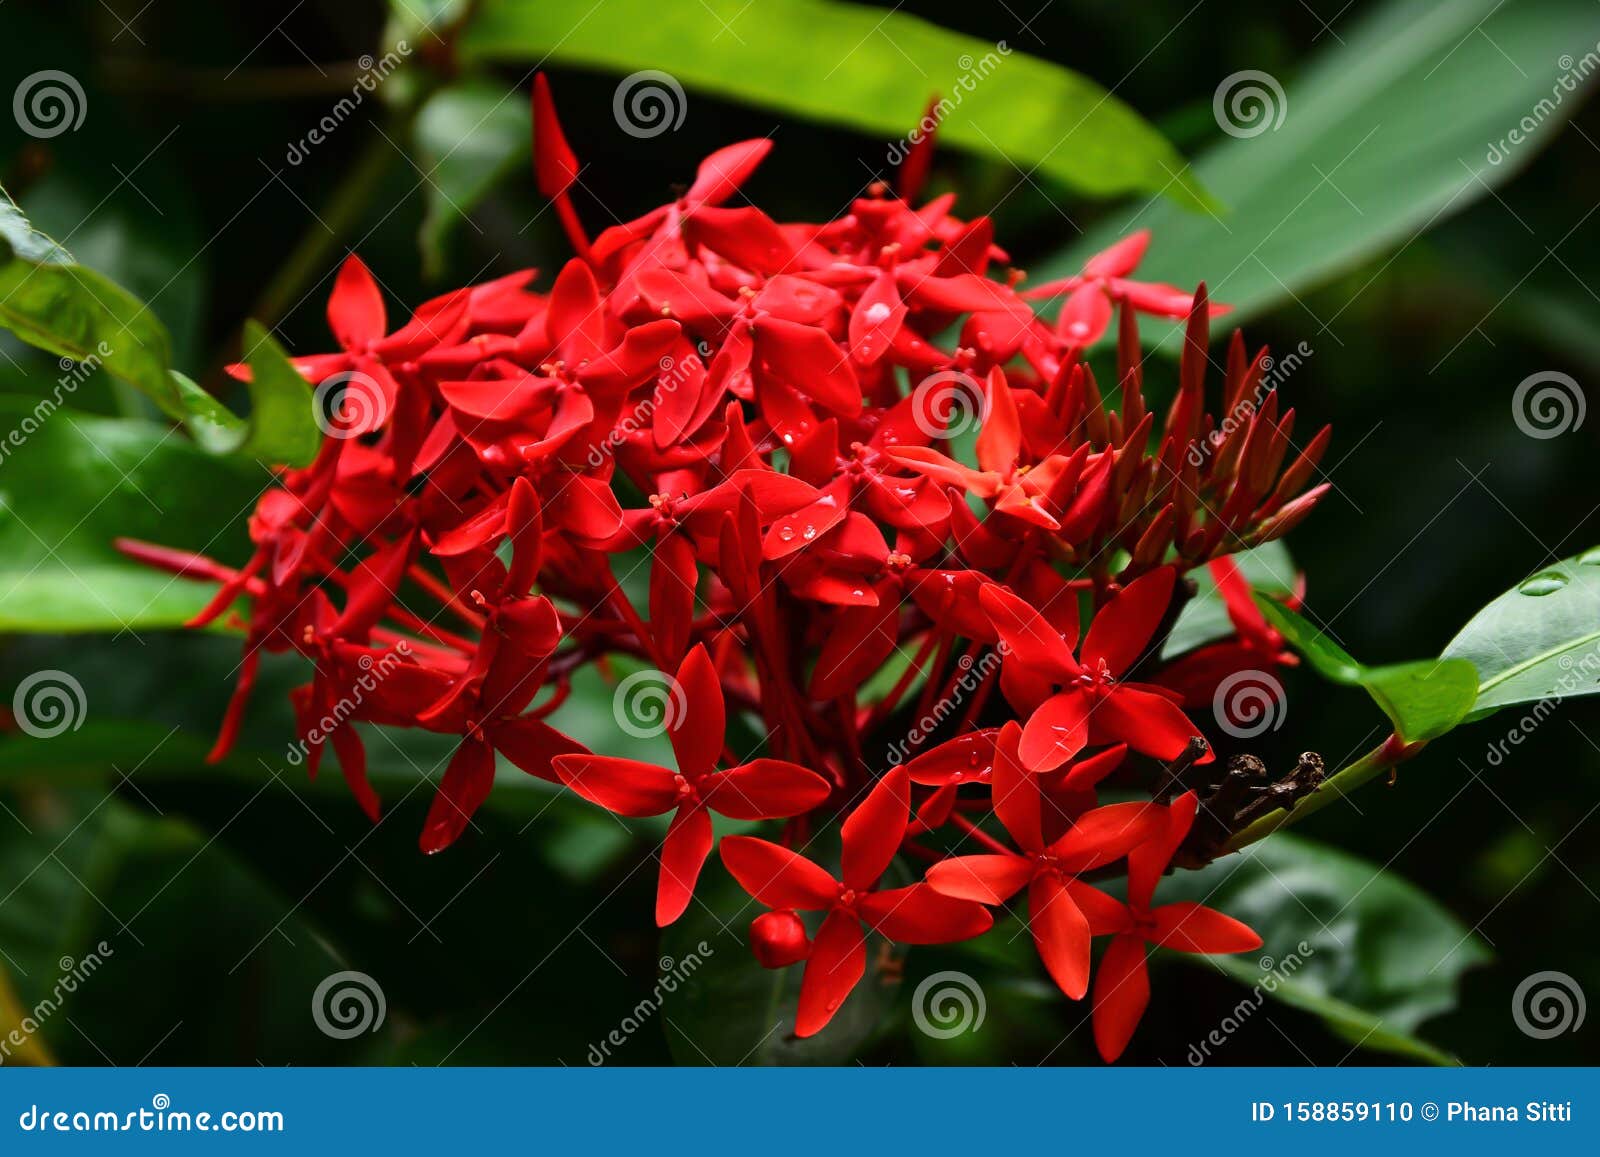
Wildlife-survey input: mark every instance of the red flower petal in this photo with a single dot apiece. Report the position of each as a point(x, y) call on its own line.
point(872, 833)
point(1061, 934)
point(1145, 721)
point(765, 789)
point(1121, 992)
point(683, 854)
point(1057, 731)
point(1190, 927)
point(355, 307)
point(463, 789)
point(920, 914)
point(697, 721)
point(1147, 862)
point(988, 879)
point(1122, 628)
point(837, 962)
point(625, 786)
point(776, 876)
point(1104, 834)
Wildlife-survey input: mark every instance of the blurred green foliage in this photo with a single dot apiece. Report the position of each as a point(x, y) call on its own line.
point(1371, 230)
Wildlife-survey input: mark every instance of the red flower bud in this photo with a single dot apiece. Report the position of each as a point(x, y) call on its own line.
point(778, 939)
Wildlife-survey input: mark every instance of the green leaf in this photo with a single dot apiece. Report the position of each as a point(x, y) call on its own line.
point(1423, 699)
point(111, 897)
point(282, 427)
point(74, 485)
point(1539, 640)
point(467, 137)
point(51, 302)
point(1363, 158)
point(863, 67)
point(1204, 618)
point(69, 310)
point(1368, 952)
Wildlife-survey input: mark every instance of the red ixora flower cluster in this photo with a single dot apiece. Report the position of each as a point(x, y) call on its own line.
point(776, 417)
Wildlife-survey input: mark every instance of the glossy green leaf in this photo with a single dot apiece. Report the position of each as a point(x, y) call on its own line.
point(1393, 125)
point(282, 428)
point(1204, 618)
point(69, 310)
point(868, 68)
point(1368, 952)
point(1423, 699)
point(50, 301)
point(76, 483)
point(1539, 640)
point(467, 137)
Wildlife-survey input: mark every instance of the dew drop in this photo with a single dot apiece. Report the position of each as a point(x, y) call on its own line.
point(877, 311)
point(1544, 584)
point(808, 534)
point(1590, 557)
point(786, 533)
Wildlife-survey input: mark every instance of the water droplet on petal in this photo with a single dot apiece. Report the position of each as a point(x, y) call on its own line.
point(1544, 584)
point(1590, 557)
point(877, 311)
point(786, 533)
point(808, 533)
